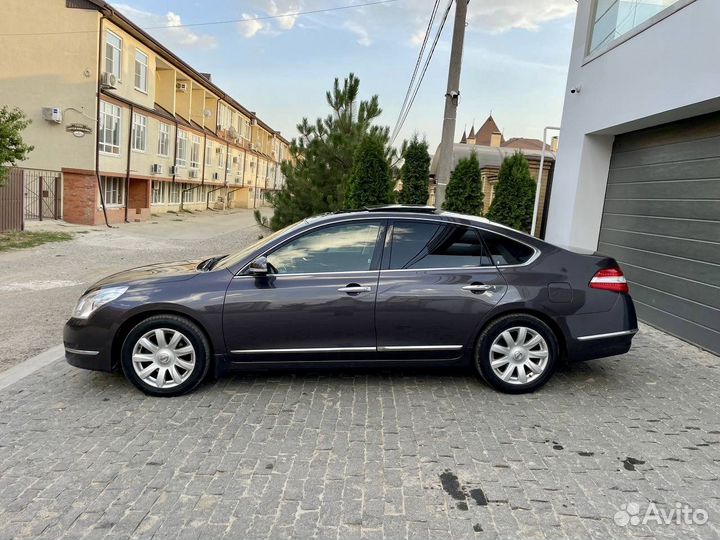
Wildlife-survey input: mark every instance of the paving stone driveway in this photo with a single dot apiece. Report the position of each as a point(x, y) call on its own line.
point(365, 454)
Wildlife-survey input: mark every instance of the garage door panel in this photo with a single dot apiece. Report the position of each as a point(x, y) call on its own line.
point(709, 210)
point(681, 170)
point(695, 270)
point(667, 153)
point(679, 286)
point(689, 331)
point(680, 307)
point(689, 249)
point(673, 189)
point(685, 228)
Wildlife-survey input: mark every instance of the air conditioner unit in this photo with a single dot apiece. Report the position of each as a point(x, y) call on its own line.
point(173, 169)
point(218, 150)
point(235, 159)
point(193, 173)
point(108, 80)
point(181, 86)
point(256, 147)
point(52, 114)
point(237, 179)
point(156, 168)
point(216, 176)
point(232, 132)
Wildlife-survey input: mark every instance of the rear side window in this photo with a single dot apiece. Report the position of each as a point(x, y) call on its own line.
point(506, 252)
point(417, 244)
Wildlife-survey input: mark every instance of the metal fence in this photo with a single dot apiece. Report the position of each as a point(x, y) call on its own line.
point(43, 193)
point(11, 202)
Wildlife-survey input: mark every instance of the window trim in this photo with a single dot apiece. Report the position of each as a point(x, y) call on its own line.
point(121, 190)
point(102, 143)
point(184, 161)
point(120, 54)
point(160, 134)
point(147, 70)
point(137, 116)
point(639, 29)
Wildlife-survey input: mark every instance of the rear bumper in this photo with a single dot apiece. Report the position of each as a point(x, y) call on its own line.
point(87, 346)
point(601, 345)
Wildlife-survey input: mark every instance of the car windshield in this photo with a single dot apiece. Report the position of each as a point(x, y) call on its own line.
point(232, 260)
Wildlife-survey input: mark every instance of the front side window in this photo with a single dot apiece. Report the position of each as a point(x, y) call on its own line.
point(139, 132)
point(182, 140)
point(195, 152)
point(113, 54)
point(418, 244)
point(506, 252)
point(164, 139)
point(109, 128)
point(337, 248)
point(614, 18)
point(113, 190)
point(141, 71)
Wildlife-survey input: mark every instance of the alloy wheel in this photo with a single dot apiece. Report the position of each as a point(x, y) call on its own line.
point(519, 355)
point(163, 358)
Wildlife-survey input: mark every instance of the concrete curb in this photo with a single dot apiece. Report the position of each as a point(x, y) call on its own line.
point(30, 366)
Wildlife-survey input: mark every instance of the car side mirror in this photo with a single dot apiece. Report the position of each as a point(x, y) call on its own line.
point(259, 267)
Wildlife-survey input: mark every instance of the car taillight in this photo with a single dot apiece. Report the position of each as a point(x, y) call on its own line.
point(610, 279)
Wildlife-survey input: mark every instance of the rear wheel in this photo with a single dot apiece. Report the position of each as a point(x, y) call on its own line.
point(516, 353)
point(165, 355)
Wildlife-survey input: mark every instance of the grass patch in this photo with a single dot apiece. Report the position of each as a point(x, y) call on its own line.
point(28, 239)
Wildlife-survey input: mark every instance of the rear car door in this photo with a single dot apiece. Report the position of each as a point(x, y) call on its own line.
point(437, 283)
point(318, 301)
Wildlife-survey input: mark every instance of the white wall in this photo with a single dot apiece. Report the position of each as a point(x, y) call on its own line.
point(667, 72)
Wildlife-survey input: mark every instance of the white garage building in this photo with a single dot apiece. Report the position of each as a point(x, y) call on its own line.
point(638, 171)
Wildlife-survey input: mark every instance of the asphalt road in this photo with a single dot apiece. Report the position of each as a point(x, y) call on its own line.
point(39, 286)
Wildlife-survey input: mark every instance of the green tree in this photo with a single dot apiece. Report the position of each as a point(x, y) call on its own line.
point(12, 146)
point(415, 173)
point(514, 194)
point(370, 183)
point(464, 190)
point(317, 177)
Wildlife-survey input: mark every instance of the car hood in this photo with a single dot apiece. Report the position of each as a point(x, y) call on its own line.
point(155, 273)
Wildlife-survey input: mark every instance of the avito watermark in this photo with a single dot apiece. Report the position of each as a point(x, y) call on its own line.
point(680, 514)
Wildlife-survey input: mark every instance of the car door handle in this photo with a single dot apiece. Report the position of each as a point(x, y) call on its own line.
point(354, 289)
point(477, 287)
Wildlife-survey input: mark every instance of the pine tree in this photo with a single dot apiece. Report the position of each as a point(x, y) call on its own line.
point(12, 146)
point(514, 194)
point(370, 183)
point(415, 173)
point(317, 178)
point(464, 191)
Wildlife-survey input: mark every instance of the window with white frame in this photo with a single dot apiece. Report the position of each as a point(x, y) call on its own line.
point(612, 19)
point(139, 132)
point(109, 128)
point(141, 71)
point(113, 190)
point(209, 149)
point(195, 152)
point(221, 156)
point(164, 139)
point(224, 116)
point(245, 132)
point(182, 149)
point(113, 54)
point(241, 162)
point(174, 195)
point(158, 192)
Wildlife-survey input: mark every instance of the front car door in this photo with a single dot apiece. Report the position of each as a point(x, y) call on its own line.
point(316, 303)
point(437, 283)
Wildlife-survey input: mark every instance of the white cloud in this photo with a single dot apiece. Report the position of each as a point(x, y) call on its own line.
point(167, 28)
point(288, 8)
point(500, 15)
point(251, 27)
point(363, 38)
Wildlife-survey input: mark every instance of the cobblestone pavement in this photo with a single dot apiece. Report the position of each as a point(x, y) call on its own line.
point(366, 454)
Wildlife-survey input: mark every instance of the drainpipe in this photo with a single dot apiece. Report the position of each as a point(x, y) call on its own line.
point(97, 117)
point(175, 148)
point(227, 156)
point(127, 167)
point(539, 180)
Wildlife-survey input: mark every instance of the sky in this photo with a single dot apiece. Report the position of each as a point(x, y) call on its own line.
point(515, 57)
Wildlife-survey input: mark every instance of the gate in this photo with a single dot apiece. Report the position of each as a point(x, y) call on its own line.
point(42, 194)
point(11, 202)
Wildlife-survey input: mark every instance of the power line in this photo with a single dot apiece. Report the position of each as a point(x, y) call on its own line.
point(417, 65)
point(224, 21)
point(425, 67)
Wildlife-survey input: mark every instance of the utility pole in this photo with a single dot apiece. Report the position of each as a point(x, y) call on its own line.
point(452, 97)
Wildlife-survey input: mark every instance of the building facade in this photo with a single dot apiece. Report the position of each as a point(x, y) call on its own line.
point(637, 174)
point(133, 129)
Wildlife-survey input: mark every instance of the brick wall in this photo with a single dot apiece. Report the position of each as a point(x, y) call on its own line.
point(80, 197)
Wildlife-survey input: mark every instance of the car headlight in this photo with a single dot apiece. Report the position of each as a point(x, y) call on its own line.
point(91, 301)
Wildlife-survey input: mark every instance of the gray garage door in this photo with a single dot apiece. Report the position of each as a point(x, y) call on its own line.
point(661, 221)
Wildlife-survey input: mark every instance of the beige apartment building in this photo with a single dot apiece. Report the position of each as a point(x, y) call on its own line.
point(128, 127)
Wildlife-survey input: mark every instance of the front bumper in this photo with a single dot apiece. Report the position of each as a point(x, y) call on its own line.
point(88, 346)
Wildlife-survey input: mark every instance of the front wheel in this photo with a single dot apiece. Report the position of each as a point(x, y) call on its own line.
point(516, 354)
point(165, 355)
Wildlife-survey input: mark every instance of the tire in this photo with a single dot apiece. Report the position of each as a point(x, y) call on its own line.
point(514, 369)
point(165, 355)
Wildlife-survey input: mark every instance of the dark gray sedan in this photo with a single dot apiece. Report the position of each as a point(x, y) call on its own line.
point(393, 285)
